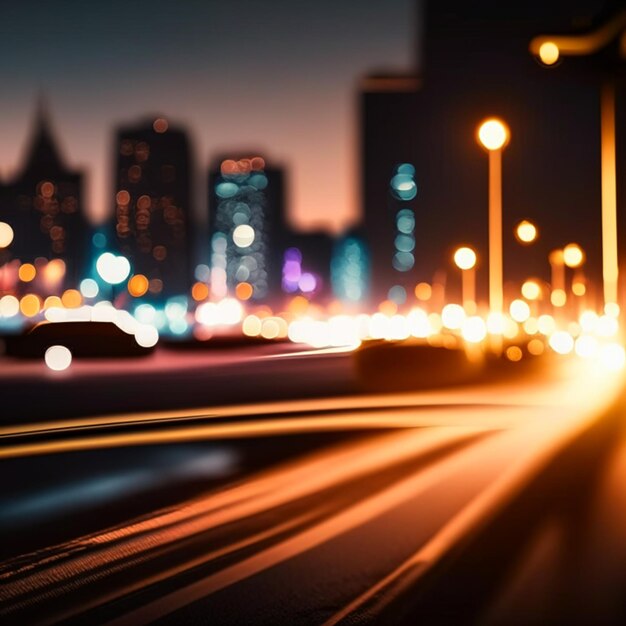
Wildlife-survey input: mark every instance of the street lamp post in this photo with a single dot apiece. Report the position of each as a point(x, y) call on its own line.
point(549, 49)
point(558, 296)
point(526, 232)
point(465, 260)
point(573, 257)
point(493, 134)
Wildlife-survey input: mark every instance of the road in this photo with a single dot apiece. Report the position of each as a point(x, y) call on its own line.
point(429, 507)
point(183, 378)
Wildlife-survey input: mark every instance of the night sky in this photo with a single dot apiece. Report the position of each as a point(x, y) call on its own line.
point(276, 76)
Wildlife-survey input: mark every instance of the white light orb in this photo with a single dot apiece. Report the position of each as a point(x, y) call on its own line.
point(493, 134)
point(146, 335)
point(6, 235)
point(58, 358)
point(113, 269)
point(243, 235)
point(465, 258)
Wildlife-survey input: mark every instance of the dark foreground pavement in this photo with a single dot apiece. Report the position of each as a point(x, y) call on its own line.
point(468, 505)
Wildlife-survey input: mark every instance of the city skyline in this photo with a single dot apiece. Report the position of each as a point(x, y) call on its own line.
point(134, 68)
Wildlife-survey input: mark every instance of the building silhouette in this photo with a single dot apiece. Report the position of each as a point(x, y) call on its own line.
point(350, 268)
point(248, 231)
point(43, 203)
point(153, 203)
point(476, 64)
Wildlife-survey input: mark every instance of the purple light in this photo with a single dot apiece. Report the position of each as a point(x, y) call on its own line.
point(293, 254)
point(292, 271)
point(307, 283)
point(290, 287)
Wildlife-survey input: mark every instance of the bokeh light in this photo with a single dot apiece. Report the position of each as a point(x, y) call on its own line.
point(519, 310)
point(558, 297)
point(549, 53)
point(531, 290)
point(474, 329)
point(244, 291)
point(243, 235)
point(573, 255)
point(423, 291)
point(465, 258)
point(561, 342)
point(526, 232)
point(113, 269)
point(138, 285)
point(493, 134)
point(452, 316)
point(30, 305)
point(71, 298)
point(6, 235)
point(89, 288)
point(27, 272)
point(146, 335)
point(58, 358)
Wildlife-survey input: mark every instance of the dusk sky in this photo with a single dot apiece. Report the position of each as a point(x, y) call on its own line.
point(277, 76)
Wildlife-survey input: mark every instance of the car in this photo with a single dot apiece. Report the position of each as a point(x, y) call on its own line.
point(84, 339)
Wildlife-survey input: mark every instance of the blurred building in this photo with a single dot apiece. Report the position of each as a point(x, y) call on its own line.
point(388, 139)
point(350, 268)
point(248, 231)
point(153, 203)
point(475, 63)
point(43, 205)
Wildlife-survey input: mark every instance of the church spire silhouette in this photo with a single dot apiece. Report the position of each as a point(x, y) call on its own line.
point(42, 155)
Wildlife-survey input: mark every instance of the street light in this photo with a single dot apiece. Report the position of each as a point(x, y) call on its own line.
point(549, 53)
point(549, 48)
point(494, 134)
point(573, 255)
point(526, 232)
point(465, 260)
point(558, 297)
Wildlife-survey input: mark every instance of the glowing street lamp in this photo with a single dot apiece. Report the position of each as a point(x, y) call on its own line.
point(494, 134)
point(573, 255)
point(465, 260)
point(526, 232)
point(549, 53)
point(549, 48)
point(558, 297)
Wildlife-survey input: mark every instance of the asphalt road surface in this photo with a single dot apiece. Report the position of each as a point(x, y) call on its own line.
point(496, 503)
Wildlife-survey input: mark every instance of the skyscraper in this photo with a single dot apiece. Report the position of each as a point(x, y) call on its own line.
point(43, 205)
point(248, 233)
point(388, 140)
point(153, 203)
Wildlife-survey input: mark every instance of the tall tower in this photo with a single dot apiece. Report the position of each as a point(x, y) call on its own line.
point(247, 228)
point(153, 191)
point(43, 204)
point(388, 141)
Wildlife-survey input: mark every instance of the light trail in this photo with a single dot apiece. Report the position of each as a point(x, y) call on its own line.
point(471, 457)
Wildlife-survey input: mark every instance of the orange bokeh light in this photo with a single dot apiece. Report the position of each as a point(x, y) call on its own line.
point(27, 272)
point(200, 291)
point(244, 291)
point(138, 285)
point(71, 298)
